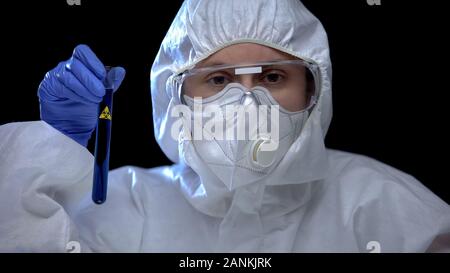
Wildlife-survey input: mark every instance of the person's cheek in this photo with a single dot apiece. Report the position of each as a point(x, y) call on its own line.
point(294, 100)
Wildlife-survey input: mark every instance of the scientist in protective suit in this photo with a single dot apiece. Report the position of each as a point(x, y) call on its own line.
point(221, 195)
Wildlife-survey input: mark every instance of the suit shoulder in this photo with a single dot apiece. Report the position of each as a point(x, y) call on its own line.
point(366, 177)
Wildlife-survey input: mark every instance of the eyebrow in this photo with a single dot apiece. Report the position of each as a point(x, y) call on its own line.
point(214, 63)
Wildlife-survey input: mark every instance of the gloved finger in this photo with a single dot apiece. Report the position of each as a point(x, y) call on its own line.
point(116, 76)
point(70, 81)
point(86, 77)
point(86, 56)
point(52, 89)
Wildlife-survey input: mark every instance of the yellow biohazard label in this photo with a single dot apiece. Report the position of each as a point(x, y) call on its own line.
point(105, 114)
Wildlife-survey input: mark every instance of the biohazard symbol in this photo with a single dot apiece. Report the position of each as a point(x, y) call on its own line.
point(105, 114)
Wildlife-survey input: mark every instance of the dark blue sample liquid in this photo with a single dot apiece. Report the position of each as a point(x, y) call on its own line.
point(102, 143)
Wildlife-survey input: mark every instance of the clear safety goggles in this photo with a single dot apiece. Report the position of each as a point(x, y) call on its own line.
point(280, 78)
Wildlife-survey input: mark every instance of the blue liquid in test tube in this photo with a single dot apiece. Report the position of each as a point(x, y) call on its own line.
point(102, 143)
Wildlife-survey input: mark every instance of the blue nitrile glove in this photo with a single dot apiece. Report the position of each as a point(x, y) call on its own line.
point(70, 94)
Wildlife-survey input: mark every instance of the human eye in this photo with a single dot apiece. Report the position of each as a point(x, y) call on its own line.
point(218, 79)
point(272, 77)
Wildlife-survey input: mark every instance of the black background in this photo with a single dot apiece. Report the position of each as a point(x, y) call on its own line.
point(389, 85)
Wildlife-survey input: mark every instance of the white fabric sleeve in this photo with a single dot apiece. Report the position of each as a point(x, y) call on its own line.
point(43, 176)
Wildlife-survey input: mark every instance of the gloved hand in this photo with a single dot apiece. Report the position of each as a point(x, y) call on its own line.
point(70, 94)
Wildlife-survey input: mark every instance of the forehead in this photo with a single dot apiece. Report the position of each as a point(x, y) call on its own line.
point(244, 53)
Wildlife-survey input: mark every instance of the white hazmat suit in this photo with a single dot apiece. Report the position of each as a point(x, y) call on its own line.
point(316, 200)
